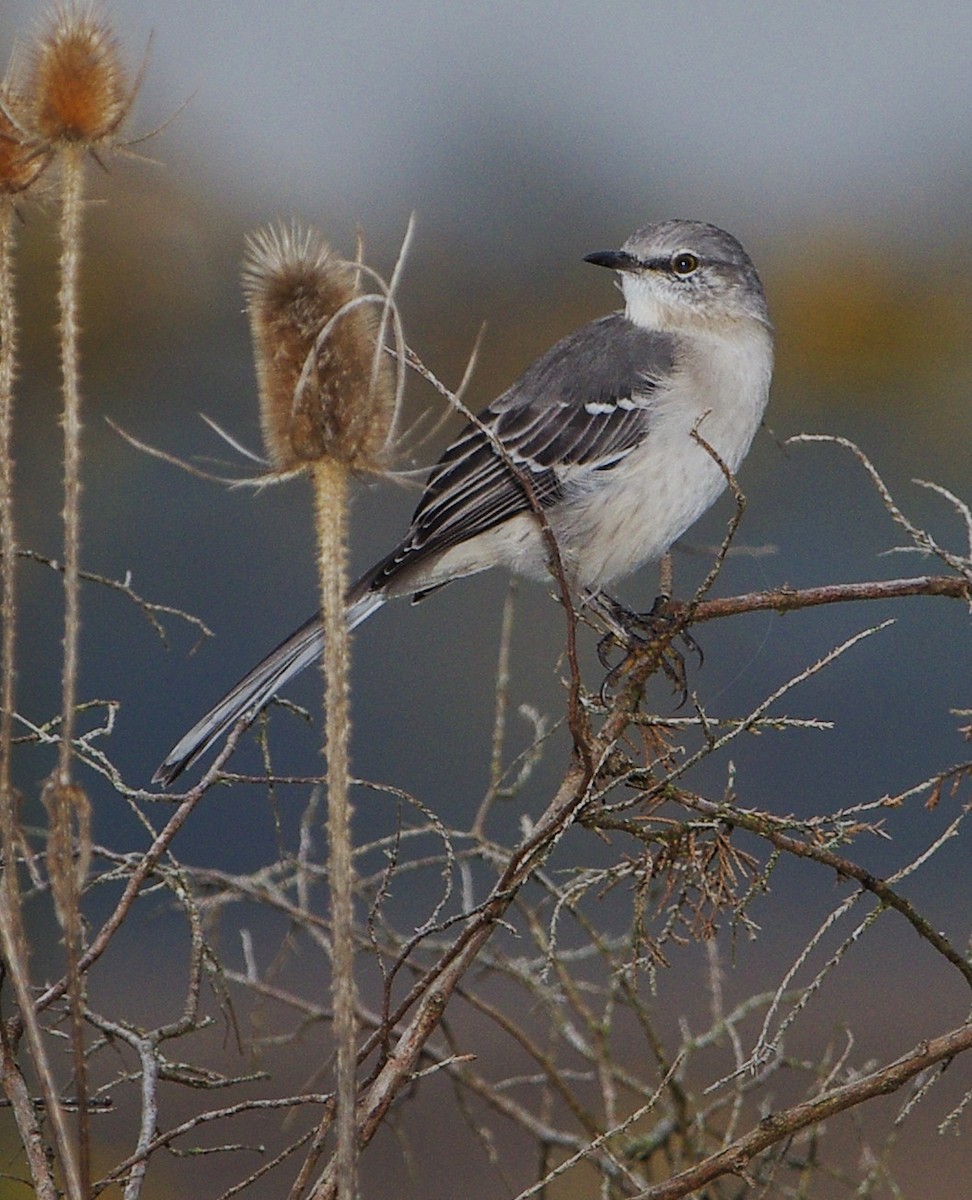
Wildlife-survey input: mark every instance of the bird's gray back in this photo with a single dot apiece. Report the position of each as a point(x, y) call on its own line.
point(607, 360)
point(586, 402)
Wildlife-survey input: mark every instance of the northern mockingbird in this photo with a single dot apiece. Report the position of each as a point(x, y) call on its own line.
point(601, 426)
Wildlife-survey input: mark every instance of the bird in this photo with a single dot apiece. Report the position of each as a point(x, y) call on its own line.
point(598, 433)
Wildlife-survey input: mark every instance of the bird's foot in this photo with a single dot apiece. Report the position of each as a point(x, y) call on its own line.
point(632, 632)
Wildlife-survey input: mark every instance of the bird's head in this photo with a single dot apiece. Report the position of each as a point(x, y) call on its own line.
point(679, 274)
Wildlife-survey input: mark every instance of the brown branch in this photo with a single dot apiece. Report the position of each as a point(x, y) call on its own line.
point(786, 599)
point(734, 1158)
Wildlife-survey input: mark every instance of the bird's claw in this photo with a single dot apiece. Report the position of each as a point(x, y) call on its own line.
point(633, 631)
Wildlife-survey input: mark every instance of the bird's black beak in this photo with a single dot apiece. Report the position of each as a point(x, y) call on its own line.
point(614, 260)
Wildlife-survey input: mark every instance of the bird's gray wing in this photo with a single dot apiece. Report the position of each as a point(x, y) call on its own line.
point(585, 403)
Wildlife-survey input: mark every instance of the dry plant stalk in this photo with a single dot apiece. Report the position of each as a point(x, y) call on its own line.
point(20, 168)
point(72, 103)
point(326, 404)
point(77, 96)
point(12, 937)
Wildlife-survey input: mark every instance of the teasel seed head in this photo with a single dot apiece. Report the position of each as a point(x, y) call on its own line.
point(78, 89)
point(325, 384)
point(21, 160)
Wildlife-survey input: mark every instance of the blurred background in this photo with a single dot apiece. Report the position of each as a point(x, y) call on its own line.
point(834, 140)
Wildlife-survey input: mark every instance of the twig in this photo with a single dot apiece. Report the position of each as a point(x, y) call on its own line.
point(786, 599)
point(733, 1159)
point(148, 608)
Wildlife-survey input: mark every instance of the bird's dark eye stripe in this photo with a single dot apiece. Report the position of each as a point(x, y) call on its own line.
point(672, 264)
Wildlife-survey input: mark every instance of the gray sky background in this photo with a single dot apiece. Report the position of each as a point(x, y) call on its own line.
point(777, 111)
point(793, 107)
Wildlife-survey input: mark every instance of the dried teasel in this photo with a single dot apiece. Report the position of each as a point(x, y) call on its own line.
point(326, 404)
point(21, 162)
point(325, 384)
point(77, 90)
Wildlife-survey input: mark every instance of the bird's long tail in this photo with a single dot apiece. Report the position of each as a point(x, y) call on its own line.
point(258, 687)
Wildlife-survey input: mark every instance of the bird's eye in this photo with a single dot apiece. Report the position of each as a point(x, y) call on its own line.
point(684, 263)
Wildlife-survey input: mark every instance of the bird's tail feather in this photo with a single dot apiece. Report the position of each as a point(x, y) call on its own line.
point(258, 687)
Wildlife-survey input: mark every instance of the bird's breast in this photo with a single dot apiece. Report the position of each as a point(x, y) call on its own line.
point(632, 513)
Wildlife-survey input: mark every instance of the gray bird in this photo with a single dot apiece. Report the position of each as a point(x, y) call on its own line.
point(601, 426)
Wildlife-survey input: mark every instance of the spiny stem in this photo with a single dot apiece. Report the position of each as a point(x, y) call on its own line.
point(72, 166)
point(331, 499)
point(12, 939)
point(8, 539)
point(72, 184)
